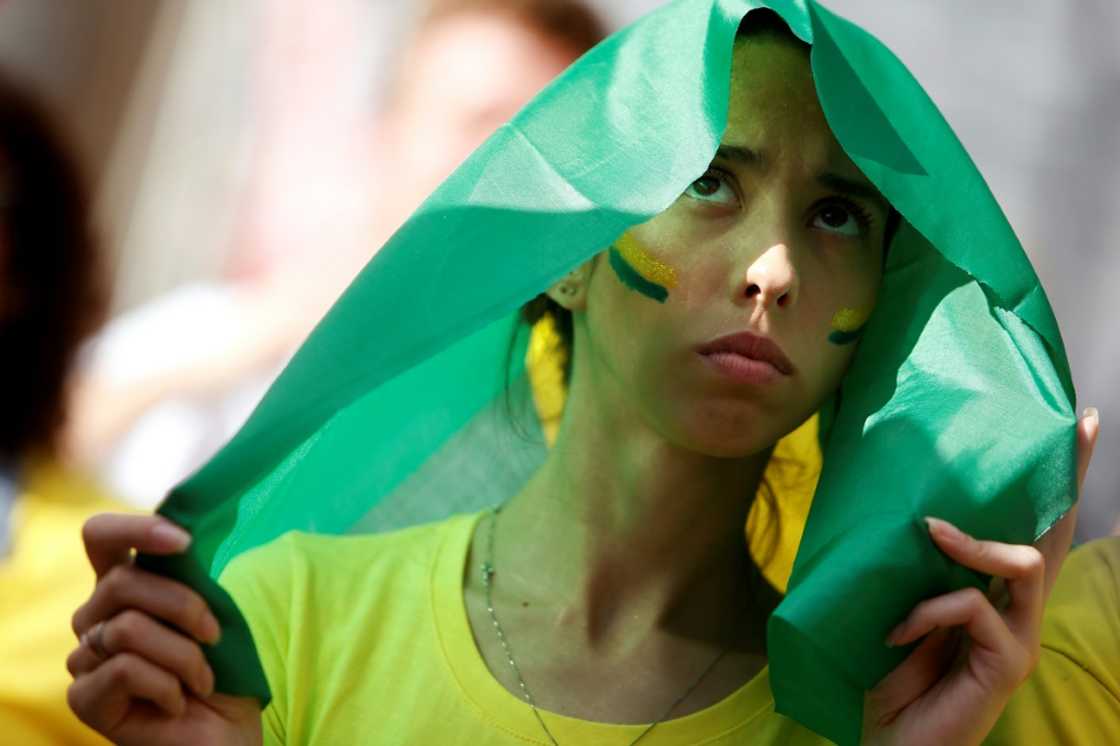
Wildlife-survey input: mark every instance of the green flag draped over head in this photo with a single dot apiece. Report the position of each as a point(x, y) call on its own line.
point(408, 402)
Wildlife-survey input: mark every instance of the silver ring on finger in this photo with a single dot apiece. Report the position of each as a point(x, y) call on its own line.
point(93, 639)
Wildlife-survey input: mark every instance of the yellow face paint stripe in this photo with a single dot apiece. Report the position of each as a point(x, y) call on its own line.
point(847, 325)
point(651, 269)
point(850, 319)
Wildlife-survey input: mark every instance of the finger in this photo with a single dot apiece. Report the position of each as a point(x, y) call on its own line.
point(1088, 428)
point(1055, 544)
point(82, 660)
point(128, 587)
point(912, 678)
point(111, 537)
point(968, 608)
point(102, 698)
point(1023, 567)
point(134, 632)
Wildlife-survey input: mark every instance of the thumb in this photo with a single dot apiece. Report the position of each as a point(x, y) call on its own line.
point(1088, 427)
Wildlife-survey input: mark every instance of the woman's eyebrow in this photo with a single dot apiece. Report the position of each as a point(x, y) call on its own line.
point(740, 153)
point(828, 179)
point(853, 188)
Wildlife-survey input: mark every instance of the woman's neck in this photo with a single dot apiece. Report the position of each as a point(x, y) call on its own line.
point(626, 534)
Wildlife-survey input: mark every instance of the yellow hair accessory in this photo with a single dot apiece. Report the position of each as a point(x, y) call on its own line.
point(545, 360)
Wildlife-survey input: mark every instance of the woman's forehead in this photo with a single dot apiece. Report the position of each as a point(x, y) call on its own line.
point(774, 112)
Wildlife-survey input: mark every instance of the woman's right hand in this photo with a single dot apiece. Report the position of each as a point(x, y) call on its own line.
point(140, 676)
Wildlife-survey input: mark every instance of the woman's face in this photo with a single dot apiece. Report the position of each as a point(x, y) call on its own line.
point(731, 317)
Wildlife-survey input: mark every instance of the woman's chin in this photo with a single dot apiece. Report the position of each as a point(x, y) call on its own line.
point(728, 449)
point(730, 442)
point(729, 429)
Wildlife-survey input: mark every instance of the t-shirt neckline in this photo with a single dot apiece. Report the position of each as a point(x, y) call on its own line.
point(508, 713)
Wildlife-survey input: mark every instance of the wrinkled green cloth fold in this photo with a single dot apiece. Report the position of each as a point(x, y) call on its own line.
point(958, 404)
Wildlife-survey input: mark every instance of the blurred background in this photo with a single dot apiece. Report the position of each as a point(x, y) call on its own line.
point(246, 158)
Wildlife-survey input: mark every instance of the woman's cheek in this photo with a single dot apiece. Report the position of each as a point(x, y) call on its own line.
point(848, 324)
point(642, 270)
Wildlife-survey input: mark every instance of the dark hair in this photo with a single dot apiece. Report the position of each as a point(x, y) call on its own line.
point(52, 293)
point(570, 22)
point(766, 22)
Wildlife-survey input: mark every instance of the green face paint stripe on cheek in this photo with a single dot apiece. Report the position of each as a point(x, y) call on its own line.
point(652, 269)
point(845, 338)
point(629, 277)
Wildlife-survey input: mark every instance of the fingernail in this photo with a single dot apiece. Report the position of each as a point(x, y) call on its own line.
point(172, 535)
point(893, 637)
point(944, 530)
point(1092, 412)
point(212, 631)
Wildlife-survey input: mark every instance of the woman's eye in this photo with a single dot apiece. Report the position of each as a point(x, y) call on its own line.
point(712, 187)
point(841, 220)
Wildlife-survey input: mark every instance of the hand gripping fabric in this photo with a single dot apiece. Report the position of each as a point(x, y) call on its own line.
point(408, 402)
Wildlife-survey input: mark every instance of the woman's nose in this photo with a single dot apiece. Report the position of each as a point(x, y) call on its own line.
point(771, 279)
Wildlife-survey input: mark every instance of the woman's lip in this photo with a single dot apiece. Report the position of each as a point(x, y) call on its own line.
point(750, 347)
point(743, 369)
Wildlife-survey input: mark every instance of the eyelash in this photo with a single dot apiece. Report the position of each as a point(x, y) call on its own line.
point(861, 215)
point(724, 178)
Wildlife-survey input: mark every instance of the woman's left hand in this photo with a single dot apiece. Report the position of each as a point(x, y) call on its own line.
point(953, 687)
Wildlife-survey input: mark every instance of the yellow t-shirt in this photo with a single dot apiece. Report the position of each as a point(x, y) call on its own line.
point(44, 577)
point(365, 639)
point(1073, 697)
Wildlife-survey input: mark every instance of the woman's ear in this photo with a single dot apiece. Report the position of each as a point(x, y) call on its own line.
point(570, 292)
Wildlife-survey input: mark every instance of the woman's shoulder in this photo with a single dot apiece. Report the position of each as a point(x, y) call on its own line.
point(298, 562)
point(1073, 696)
point(49, 482)
point(1092, 568)
point(1082, 620)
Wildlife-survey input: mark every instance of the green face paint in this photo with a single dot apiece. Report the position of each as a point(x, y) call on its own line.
point(639, 271)
point(848, 325)
point(845, 338)
point(631, 279)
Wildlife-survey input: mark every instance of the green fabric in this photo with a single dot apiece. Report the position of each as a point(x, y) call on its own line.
point(958, 404)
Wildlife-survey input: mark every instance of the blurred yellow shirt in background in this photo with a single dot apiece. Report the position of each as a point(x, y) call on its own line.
point(43, 579)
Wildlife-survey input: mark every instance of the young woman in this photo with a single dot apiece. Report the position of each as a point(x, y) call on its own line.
point(612, 600)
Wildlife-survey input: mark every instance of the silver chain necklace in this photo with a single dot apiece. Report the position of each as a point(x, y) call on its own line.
point(488, 582)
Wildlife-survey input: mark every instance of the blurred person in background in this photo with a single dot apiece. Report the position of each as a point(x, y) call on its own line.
point(469, 67)
point(51, 297)
point(212, 349)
